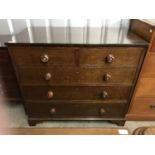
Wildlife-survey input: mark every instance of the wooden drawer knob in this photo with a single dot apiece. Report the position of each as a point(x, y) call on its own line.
point(44, 58)
point(48, 76)
point(110, 58)
point(50, 94)
point(104, 95)
point(53, 111)
point(107, 77)
point(102, 111)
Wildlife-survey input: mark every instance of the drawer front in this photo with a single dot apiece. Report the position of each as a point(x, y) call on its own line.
point(43, 56)
point(70, 76)
point(116, 56)
point(58, 110)
point(146, 88)
point(76, 93)
point(143, 106)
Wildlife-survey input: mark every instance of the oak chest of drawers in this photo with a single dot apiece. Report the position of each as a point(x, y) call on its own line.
point(78, 81)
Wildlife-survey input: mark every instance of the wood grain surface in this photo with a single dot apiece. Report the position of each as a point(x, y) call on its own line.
point(70, 131)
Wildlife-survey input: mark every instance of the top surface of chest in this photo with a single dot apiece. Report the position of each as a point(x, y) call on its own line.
point(76, 37)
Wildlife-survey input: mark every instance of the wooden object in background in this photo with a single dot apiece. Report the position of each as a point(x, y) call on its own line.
point(144, 131)
point(143, 103)
point(9, 89)
point(70, 131)
point(143, 28)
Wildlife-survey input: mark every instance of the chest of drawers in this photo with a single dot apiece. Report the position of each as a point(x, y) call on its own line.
point(76, 82)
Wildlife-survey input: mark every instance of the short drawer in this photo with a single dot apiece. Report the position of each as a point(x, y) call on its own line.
point(110, 56)
point(43, 56)
point(71, 76)
point(143, 106)
point(85, 110)
point(76, 93)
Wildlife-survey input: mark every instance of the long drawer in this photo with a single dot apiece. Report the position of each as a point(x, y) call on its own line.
point(71, 56)
point(76, 93)
point(61, 110)
point(68, 76)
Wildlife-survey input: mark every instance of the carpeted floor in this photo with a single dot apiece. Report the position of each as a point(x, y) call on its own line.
point(18, 118)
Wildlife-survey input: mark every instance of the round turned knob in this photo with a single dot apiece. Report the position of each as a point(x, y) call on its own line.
point(102, 111)
point(48, 76)
point(107, 77)
point(104, 94)
point(44, 58)
point(50, 94)
point(110, 58)
point(53, 111)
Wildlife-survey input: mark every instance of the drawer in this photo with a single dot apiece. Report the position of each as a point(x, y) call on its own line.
point(143, 106)
point(76, 93)
point(110, 56)
point(146, 87)
point(90, 110)
point(71, 76)
point(43, 56)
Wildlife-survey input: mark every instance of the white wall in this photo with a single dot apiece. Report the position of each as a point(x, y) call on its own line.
point(57, 29)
